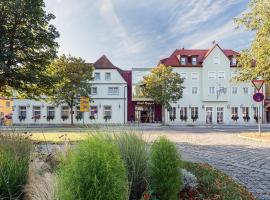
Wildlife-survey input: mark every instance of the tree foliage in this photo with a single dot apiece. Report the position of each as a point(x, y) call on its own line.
point(27, 46)
point(72, 77)
point(256, 19)
point(163, 86)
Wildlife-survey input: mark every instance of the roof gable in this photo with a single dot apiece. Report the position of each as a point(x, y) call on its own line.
point(104, 63)
point(201, 54)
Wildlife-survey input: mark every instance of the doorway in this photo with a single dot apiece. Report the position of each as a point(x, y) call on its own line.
point(220, 115)
point(209, 115)
point(144, 113)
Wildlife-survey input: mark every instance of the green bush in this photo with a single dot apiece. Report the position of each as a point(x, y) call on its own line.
point(133, 150)
point(165, 177)
point(94, 170)
point(14, 163)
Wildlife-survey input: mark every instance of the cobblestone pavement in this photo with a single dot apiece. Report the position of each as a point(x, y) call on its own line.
point(248, 162)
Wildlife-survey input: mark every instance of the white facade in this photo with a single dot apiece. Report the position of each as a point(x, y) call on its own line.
point(108, 104)
point(211, 96)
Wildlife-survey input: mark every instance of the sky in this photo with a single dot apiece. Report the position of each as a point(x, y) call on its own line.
point(138, 33)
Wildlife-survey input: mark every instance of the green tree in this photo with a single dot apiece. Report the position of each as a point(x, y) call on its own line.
point(27, 46)
point(163, 86)
point(72, 81)
point(256, 19)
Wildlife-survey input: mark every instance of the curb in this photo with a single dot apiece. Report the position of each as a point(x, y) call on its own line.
point(253, 139)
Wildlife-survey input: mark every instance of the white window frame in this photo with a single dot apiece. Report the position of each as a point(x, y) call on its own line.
point(92, 91)
point(233, 61)
point(245, 91)
point(113, 90)
point(22, 109)
point(194, 76)
point(212, 75)
point(234, 90)
point(50, 109)
point(183, 75)
point(210, 90)
point(183, 60)
point(36, 110)
point(194, 60)
point(216, 60)
point(95, 76)
point(221, 75)
point(108, 109)
point(64, 111)
point(93, 111)
point(194, 90)
point(108, 76)
point(234, 111)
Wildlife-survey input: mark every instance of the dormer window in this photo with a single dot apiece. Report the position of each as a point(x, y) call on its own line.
point(194, 61)
point(233, 61)
point(183, 60)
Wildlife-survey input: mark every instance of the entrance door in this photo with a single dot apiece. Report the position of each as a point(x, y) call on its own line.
point(220, 115)
point(144, 114)
point(209, 115)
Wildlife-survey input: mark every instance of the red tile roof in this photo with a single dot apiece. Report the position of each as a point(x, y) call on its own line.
point(201, 54)
point(104, 63)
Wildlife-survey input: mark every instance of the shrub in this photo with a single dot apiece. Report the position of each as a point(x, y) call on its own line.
point(165, 176)
point(92, 171)
point(133, 150)
point(14, 163)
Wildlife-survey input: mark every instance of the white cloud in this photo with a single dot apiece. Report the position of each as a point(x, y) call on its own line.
point(198, 12)
point(107, 11)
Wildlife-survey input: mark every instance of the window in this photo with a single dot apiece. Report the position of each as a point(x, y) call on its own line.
point(183, 75)
point(234, 113)
point(79, 114)
point(183, 113)
point(172, 113)
point(233, 74)
point(50, 112)
point(93, 91)
point(8, 104)
point(245, 90)
point(93, 112)
point(107, 112)
point(256, 112)
point(183, 60)
point(246, 113)
point(194, 90)
point(234, 90)
point(194, 76)
point(233, 61)
point(216, 60)
point(194, 113)
point(97, 76)
point(222, 90)
point(212, 75)
point(64, 112)
point(36, 112)
point(107, 76)
point(211, 90)
point(194, 61)
point(22, 112)
point(113, 90)
point(221, 75)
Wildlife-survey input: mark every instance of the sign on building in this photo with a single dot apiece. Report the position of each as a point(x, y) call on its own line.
point(84, 104)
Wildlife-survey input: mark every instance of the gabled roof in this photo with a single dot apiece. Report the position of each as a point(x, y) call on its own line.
point(201, 54)
point(104, 63)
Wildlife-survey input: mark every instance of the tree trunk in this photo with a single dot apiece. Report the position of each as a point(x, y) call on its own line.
point(163, 114)
point(71, 115)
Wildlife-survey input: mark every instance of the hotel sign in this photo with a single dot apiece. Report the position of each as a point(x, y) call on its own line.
point(84, 104)
point(145, 103)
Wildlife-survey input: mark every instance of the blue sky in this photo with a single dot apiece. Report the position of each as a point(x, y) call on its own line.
point(138, 33)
